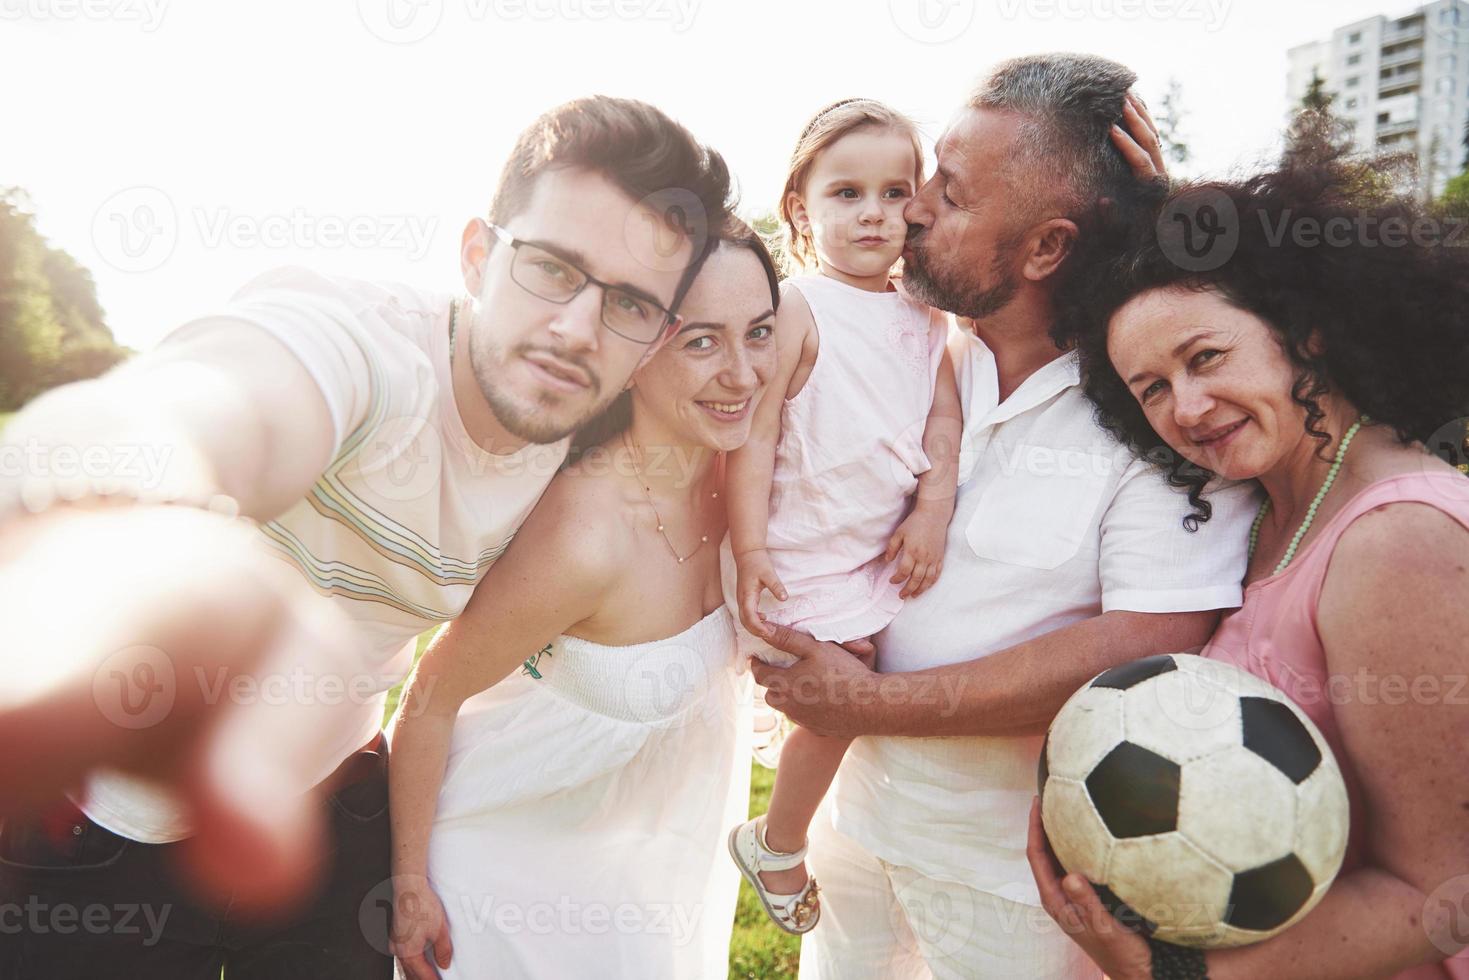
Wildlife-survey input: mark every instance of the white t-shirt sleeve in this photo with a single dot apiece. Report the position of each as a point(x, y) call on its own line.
point(1151, 563)
point(333, 332)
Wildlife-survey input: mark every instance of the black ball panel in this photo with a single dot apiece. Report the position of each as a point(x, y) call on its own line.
point(1131, 674)
point(1274, 733)
point(1043, 771)
point(1123, 912)
point(1135, 791)
point(1266, 897)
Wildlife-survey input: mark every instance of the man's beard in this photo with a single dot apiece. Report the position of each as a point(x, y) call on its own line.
point(972, 299)
point(518, 420)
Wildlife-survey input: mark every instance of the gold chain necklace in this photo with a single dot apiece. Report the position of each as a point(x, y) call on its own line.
point(647, 490)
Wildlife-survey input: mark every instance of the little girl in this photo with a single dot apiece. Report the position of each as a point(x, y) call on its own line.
point(861, 414)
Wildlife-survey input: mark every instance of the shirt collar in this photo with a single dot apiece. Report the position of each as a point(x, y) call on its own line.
point(1050, 380)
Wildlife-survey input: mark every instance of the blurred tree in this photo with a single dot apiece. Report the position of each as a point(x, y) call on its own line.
point(769, 227)
point(52, 329)
point(1455, 199)
point(1169, 118)
point(1316, 96)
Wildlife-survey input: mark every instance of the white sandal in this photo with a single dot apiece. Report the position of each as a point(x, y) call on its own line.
point(796, 914)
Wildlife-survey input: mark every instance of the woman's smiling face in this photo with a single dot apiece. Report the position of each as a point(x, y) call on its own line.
point(1212, 379)
point(702, 387)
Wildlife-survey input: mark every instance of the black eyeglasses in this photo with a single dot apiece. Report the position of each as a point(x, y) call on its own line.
point(550, 277)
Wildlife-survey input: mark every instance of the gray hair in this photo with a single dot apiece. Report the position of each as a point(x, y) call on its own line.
point(1064, 158)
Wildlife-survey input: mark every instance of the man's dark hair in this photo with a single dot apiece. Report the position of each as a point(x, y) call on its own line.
point(636, 147)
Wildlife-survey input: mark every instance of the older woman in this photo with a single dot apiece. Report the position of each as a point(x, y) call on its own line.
point(1314, 364)
point(568, 819)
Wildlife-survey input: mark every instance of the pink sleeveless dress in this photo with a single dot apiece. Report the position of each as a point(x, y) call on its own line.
point(848, 458)
point(1274, 635)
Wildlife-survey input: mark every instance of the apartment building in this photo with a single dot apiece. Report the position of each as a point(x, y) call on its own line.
point(1402, 83)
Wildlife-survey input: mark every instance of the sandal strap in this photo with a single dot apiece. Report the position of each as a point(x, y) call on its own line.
point(771, 860)
point(800, 909)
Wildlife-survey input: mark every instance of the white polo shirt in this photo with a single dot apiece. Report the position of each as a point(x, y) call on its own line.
point(398, 531)
point(1055, 522)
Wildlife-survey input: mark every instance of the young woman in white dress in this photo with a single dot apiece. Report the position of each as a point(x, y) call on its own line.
point(570, 749)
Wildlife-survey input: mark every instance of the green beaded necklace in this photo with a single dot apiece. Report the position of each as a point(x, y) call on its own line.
point(1295, 542)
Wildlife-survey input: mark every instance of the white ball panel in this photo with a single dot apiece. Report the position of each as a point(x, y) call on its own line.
point(1075, 829)
point(1181, 715)
point(1322, 822)
point(1086, 728)
point(1237, 808)
point(1170, 882)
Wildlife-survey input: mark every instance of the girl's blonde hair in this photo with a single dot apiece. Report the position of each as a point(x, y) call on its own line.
point(825, 128)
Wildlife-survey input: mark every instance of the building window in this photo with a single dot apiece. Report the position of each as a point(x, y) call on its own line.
point(1354, 81)
point(1383, 117)
point(1355, 59)
point(1351, 104)
point(1355, 38)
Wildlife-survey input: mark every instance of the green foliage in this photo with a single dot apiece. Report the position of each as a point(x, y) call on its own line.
point(758, 950)
point(1455, 199)
point(52, 329)
point(768, 225)
point(1316, 97)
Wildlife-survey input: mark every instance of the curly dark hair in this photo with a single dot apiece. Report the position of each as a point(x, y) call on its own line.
point(1374, 304)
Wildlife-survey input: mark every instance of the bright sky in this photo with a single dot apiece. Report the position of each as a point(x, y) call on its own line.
point(179, 147)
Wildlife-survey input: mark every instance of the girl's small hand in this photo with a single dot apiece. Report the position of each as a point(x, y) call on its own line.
point(755, 574)
point(1072, 901)
point(918, 544)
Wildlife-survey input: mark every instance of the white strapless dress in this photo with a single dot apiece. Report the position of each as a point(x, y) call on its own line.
point(581, 825)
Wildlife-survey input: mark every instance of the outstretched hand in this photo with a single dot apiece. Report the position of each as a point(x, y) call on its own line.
point(138, 664)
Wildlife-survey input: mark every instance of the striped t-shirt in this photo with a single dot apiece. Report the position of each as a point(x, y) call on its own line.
point(405, 521)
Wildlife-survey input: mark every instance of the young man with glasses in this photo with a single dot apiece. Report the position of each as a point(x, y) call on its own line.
point(385, 444)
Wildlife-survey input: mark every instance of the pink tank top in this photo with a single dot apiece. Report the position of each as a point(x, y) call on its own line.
point(1274, 636)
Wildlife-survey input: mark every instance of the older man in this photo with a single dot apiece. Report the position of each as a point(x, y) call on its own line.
point(1065, 557)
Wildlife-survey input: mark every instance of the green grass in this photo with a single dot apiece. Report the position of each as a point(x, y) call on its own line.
point(4, 417)
point(757, 950)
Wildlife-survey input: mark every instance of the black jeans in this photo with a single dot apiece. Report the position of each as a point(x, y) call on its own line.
point(78, 902)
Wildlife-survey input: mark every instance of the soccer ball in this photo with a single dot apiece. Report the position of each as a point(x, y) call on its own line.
point(1203, 804)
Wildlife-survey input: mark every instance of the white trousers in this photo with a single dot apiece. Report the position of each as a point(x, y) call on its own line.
point(887, 922)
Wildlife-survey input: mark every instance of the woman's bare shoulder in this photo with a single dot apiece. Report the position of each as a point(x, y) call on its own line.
point(581, 517)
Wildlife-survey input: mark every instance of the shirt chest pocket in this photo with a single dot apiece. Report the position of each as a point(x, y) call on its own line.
point(1038, 514)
